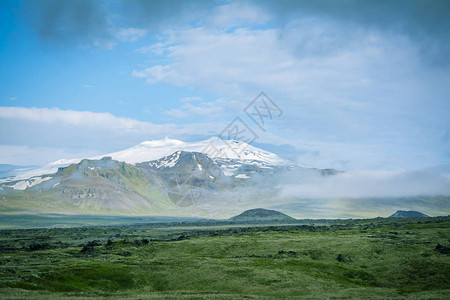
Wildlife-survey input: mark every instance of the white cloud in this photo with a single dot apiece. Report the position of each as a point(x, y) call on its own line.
point(206, 110)
point(157, 48)
point(176, 113)
point(238, 14)
point(335, 83)
point(157, 73)
point(130, 34)
point(115, 35)
point(40, 155)
point(214, 61)
point(52, 131)
point(77, 118)
point(191, 99)
point(297, 61)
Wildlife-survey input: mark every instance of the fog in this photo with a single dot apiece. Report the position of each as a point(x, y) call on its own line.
point(358, 184)
point(306, 193)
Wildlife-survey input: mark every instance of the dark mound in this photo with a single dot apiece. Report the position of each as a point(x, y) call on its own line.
point(260, 214)
point(408, 214)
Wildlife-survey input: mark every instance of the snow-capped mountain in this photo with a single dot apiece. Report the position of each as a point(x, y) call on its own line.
point(213, 147)
point(229, 154)
point(154, 177)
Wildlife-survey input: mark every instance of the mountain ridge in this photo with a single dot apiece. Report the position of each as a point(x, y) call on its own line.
point(214, 147)
point(171, 182)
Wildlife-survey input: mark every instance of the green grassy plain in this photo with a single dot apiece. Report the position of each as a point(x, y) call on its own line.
point(377, 258)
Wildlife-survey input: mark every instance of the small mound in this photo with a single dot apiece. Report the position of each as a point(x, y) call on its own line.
point(260, 214)
point(408, 214)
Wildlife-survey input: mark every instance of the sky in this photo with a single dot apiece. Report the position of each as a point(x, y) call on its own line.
point(362, 85)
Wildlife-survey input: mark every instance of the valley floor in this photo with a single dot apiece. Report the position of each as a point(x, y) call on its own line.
point(377, 258)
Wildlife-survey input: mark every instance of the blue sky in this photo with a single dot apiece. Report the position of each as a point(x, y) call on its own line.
point(362, 84)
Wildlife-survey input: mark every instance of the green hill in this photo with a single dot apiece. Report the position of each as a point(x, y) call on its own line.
point(408, 214)
point(260, 214)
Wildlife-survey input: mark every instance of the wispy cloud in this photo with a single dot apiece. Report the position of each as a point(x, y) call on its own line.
point(40, 155)
point(362, 83)
point(196, 107)
point(236, 14)
point(130, 34)
point(424, 23)
point(191, 99)
point(366, 184)
point(71, 117)
point(335, 82)
point(78, 131)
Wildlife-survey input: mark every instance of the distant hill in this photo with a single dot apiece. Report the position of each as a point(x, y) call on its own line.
point(408, 214)
point(260, 214)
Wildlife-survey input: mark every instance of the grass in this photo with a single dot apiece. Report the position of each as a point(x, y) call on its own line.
point(350, 259)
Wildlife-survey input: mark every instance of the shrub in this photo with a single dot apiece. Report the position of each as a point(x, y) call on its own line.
point(343, 258)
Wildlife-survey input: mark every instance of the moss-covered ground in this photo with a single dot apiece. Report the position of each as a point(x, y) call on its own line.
point(379, 258)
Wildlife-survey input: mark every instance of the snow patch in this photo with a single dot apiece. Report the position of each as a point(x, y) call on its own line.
point(24, 184)
point(241, 176)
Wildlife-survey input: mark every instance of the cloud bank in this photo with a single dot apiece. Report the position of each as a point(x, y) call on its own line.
point(33, 136)
point(369, 184)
